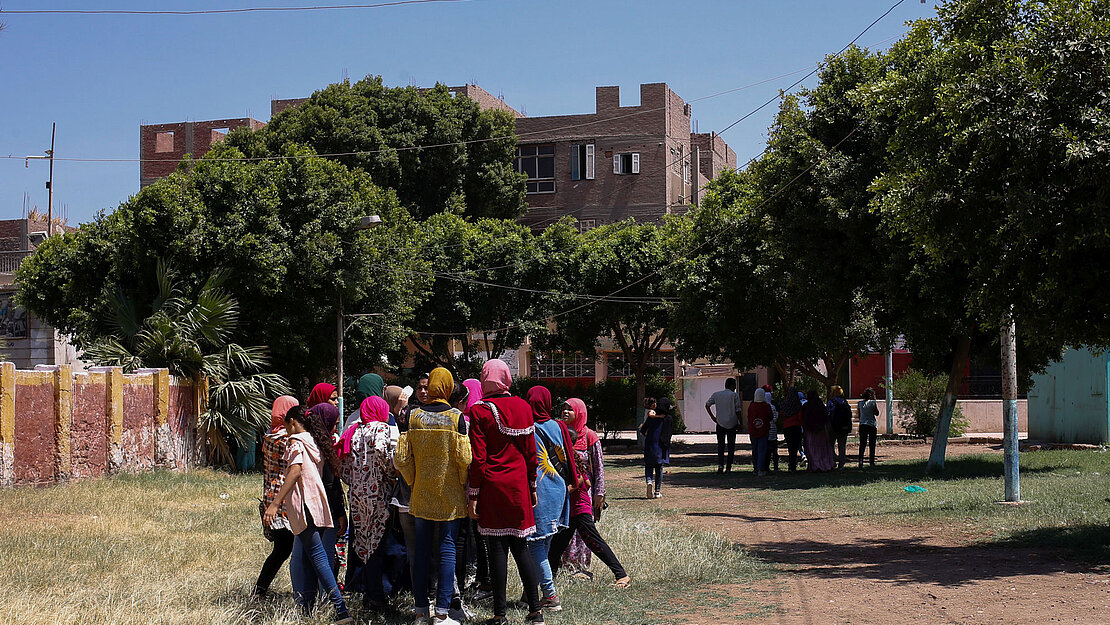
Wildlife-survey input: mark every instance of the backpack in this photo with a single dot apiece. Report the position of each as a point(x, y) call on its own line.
point(842, 417)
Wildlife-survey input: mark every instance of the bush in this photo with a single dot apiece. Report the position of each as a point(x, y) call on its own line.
point(611, 403)
point(919, 397)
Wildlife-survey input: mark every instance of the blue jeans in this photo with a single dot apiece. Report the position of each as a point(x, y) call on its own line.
point(759, 453)
point(445, 586)
point(540, 548)
point(310, 569)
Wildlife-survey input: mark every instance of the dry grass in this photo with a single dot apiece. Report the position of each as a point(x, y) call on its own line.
point(186, 548)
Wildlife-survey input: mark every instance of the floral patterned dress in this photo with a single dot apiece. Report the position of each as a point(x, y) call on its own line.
point(369, 472)
point(274, 446)
point(577, 557)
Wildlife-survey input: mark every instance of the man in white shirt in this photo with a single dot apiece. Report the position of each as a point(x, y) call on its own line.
point(727, 419)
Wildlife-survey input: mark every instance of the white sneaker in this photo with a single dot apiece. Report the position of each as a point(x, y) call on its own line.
point(443, 619)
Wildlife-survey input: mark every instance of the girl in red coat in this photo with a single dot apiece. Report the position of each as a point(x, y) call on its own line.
point(503, 484)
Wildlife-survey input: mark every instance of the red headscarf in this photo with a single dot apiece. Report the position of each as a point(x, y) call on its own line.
point(540, 399)
point(496, 378)
point(320, 394)
point(277, 413)
point(586, 436)
point(373, 409)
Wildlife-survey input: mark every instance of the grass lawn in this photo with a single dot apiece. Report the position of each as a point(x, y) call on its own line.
point(1067, 496)
point(186, 548)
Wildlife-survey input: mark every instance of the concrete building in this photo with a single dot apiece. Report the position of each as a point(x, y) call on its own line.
point(162, 146)
point(1070, 401)
point(27, 340)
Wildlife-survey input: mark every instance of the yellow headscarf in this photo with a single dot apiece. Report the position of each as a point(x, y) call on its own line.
point(440, 386)
point(837, 391)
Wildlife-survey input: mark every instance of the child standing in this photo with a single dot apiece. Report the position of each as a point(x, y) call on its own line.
point(654, 453)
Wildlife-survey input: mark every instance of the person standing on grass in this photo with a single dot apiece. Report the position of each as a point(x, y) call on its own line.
point(585, 509)
point(729, 409)
point(815, 420)
point(306, 507)
point(773, 432)
point(868, 424)
point(555, 475)
point(433, 458)
point(502, 488)
point(654, 454)
point(840, 417)
point(791, 415)
point(328, 414)
point(759, 426)
point(274, 445)
point(366, 462)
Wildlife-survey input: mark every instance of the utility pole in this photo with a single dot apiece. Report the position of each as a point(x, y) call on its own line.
point(889, 381)
point(364, 223)
point(50, 182)
point(1010, 410)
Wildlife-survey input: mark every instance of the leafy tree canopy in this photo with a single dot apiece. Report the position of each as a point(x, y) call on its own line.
point(382, 125)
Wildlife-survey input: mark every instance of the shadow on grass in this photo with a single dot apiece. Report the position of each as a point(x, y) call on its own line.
point(910, 561)
point(1090, 543)
point(694, 465)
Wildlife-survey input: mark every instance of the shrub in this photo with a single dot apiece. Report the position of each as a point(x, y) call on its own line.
point(919, 397)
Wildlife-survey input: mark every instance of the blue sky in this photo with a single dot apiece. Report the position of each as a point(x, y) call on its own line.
point(100, 76)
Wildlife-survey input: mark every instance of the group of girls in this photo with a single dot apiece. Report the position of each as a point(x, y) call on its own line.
point(822, 429)
point(464, 472)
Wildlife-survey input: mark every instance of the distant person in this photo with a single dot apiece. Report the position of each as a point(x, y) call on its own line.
point(773, 433)
point(868, 424)
point(655, 456)
point(728, 415)
point(306, 506)
point(840, 419)
point(790, 413)
point(759, 426)
point(274, 445)
point(815, 420)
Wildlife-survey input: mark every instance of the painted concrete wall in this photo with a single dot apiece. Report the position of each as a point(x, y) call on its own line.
point(57, 424)
point(1069, 404)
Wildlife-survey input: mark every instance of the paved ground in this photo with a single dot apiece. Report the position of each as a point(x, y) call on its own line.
point(850, 569)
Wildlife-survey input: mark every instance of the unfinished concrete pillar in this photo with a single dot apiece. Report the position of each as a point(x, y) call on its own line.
point(7, 423)
point(162, 447)
point(63, 419)
point(113, 384)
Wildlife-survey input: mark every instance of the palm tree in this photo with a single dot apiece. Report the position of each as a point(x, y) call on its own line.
point(191, 336)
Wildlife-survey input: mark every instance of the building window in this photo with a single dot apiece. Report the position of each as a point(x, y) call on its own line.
point(163, 141)
point(626, 163)
point(538, 162)
point(686, 172)
point(582, 161)
point(560, 365)
point(661, 363)
point(586, 224)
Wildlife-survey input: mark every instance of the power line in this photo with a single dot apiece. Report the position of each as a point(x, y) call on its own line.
point(327, 7)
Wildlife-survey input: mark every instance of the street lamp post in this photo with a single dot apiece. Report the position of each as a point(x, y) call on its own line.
point(364, 223)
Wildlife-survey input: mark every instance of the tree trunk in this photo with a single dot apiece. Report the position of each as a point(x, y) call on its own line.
point(948, 405)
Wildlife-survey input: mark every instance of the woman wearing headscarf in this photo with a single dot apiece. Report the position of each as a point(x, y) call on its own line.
point(369, 385)
point(503, 484)
point(587, 446)
point(815, 419)
point(840, 420)
point(585, 509)
point(274, 445)
point(555, 473)
point(322, 392)
point(366, 463)
point(433, 458)
point(328, 414)
point(476, 544)
point(792, 425)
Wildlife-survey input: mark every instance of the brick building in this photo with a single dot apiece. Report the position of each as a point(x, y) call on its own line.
point(25, 339)
point(617, 162)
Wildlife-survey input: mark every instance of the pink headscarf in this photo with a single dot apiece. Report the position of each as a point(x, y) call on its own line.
point(496, 378)
point(373, 409)
point(320, 394)
point(586, 436)
point(475, 388)
point(281, 408)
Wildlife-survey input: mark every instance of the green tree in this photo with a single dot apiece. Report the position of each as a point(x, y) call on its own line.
point(787, 246)
point(996, 187)
point(623, 266)
point(493, 283)
point(284, 230)
point(191, 335)
point(377, 129)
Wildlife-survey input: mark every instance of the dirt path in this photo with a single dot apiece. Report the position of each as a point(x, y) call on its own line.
point(843, 569)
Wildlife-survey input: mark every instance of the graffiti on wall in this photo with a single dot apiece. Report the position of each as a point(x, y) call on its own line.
point(13, 319)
